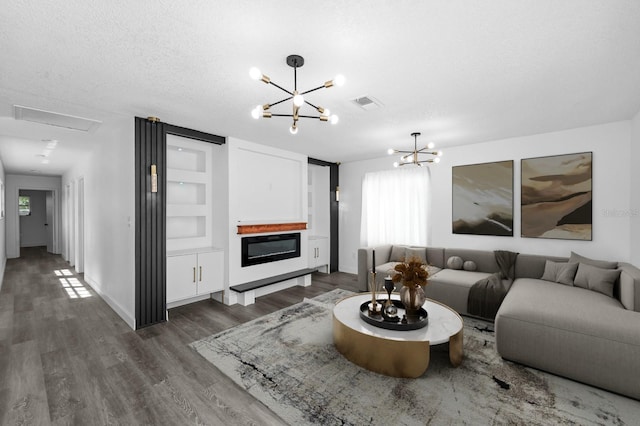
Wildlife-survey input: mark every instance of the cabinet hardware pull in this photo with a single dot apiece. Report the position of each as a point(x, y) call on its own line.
point(201, 273)
point(194, 274)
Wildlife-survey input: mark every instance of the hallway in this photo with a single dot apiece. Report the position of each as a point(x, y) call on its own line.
point(67, 358)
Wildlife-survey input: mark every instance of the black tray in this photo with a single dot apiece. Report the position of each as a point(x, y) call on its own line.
point(413, 323)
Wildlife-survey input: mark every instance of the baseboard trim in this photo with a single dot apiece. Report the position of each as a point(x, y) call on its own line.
point(122, 313)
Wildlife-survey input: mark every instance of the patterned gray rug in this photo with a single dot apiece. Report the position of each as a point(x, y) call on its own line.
point(287, 360)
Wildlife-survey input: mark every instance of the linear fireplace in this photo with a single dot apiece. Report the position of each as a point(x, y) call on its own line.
point(269, 248)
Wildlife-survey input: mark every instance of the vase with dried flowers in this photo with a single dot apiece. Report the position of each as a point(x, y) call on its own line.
point(413, 274)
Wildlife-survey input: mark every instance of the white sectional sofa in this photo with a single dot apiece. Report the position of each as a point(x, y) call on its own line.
point(579, 333)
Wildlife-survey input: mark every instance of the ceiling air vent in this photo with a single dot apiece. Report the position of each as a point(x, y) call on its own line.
point(54, 119)
point(367, 102)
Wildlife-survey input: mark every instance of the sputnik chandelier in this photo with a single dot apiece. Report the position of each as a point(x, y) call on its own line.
point(412, 157)
point(295, 61)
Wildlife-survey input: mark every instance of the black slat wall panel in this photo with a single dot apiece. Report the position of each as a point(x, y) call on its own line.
point(150, 224)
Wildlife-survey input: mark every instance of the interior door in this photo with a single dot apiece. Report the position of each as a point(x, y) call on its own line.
point(49, 223)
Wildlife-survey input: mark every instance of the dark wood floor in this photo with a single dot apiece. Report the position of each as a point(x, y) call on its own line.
point(69, 359)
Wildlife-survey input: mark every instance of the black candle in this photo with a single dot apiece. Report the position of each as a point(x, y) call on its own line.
point(373, 261)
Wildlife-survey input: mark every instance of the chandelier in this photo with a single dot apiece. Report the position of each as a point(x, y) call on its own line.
point(413, 157)
point(294, 61)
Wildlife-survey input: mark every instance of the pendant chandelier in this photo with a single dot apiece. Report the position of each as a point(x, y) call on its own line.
point(294, 61)
point(413, 157)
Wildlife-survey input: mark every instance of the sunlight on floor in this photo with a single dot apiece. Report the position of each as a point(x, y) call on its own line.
point(74, 288)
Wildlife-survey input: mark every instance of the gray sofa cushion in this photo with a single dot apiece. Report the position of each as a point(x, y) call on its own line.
point(604, 264)
point(484, 259)
point(596, 279)
point(451, 287)
point(532, 265)
point(418, 252)
point(559, 272)
point(469, 265)
point(455, 262)
point(397, 253)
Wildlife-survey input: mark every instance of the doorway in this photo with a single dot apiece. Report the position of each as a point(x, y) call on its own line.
point(37, 218)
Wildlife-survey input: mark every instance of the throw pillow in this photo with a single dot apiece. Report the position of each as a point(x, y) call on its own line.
point(559, 272)
point(454, 262)
point(469, 265)
point(419, 252)
point(604, 264)
point(596, 279)
point(397, 253)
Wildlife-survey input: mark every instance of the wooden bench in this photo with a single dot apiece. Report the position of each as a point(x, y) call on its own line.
point(246, 293)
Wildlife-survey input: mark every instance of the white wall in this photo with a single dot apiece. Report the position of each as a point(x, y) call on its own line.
point(610, 144)
point(634, 213)
point(109, 225)
point(33, 232)
point(266, 185)
point(14, 184)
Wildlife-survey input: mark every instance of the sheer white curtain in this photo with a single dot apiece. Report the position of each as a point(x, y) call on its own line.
point(395, 207)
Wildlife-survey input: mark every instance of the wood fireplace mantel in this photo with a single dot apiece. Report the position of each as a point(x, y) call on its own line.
point(271, 227)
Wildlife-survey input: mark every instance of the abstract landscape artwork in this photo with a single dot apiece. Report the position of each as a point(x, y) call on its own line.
point(483, 199)
point(556, 197)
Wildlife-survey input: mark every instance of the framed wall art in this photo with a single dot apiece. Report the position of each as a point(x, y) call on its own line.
point(482, 196)
point(556, 197)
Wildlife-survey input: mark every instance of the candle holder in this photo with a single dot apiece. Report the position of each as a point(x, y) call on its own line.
point(374, 306)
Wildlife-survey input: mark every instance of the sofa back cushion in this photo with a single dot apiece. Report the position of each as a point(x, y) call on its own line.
point(532, 265)
point(485, 260)
point(435, 256)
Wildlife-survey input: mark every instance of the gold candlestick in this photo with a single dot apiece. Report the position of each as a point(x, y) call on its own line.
point(374, 308)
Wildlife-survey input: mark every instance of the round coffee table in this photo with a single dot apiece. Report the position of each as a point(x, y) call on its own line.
point(392, 352)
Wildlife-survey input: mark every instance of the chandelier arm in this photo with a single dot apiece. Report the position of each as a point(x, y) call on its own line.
point(281, 88)
point(282, 115)
point(279, 102)
point(310, 104)
point(313, 90)
point(310, 116)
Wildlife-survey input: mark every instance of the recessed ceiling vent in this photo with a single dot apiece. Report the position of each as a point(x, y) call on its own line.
point(367, 102)
point(55, 119)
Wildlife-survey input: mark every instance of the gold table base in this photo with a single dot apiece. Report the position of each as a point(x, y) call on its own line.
point(390, 357)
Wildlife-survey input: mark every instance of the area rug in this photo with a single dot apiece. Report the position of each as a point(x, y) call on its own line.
point(287, 360)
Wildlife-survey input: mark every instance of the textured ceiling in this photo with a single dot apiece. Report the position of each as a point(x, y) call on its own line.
point(460, 72)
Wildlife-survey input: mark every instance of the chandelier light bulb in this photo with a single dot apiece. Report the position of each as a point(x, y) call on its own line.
point(334, 119)
point(293, 129)
point(298, 100)
point(327, 112)
point(255, 73)
point(396, 164)
point(439, 153)
point(391, 151)
point(431, 145)
point(256, 112)
point(339, 80)
point(436, 160)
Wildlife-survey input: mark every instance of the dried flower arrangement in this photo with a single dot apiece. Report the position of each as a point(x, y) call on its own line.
point(411, 272)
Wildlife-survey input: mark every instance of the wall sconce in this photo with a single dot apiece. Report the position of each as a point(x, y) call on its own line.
point(337, 193)
point(154, 178)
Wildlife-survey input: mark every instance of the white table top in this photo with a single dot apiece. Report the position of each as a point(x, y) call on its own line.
point(444, 322)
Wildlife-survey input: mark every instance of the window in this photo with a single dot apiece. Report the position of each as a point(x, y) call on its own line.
point(395, 207)
point(24, 205)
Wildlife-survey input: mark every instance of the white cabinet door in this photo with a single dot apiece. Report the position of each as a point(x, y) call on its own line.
point(318, 252)
point(210, 272)
point(181, 277)
point(323, 251)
